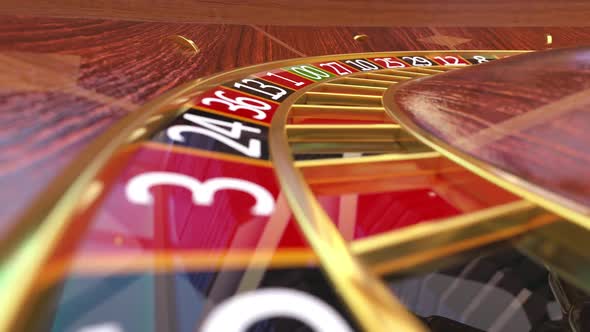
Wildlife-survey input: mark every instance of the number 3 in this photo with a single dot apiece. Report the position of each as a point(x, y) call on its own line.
point(137, 189)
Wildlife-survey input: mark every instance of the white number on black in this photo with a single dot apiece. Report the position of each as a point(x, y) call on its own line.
point(215, 129)
point(417, 61)
point(262, 88)
point(480, 58)
point(362, 64)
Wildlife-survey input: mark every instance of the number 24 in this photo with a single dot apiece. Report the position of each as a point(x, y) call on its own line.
point(214, 129)
point(203, 193)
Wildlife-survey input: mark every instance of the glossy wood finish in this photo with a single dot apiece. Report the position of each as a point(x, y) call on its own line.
point(330, 40)
point(315, 13)
point(526, 115)
point(64, 82)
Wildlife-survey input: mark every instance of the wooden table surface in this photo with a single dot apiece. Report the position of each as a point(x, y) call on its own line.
point(526, 115)
point(64, 80)
point(320, 13)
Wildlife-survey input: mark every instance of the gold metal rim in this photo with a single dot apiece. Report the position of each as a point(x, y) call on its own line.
point(361, 291)
point(166, 107)
point(43, 223)
point(529, 191)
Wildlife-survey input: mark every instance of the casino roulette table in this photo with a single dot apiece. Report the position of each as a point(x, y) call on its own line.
point(231, 172)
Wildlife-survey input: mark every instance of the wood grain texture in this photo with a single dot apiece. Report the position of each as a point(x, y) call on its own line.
point(524, 38)
point(330, 40)
point(65, 81)
point(316, 13)
point(527, 115)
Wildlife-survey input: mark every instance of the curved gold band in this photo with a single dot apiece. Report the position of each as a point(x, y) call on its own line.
point(45, 222)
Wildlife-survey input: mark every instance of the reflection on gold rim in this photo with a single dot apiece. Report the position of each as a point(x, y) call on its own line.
point(155, 113)
point(389, 133)
point(28, 244)
point(534, 193)
point(205, 154)
point(412, 246)
point(561, 245)
point(367, 159)
point(367, 298)
point(166, 261)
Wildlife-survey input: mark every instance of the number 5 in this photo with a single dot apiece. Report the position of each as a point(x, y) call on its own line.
point(137, 189)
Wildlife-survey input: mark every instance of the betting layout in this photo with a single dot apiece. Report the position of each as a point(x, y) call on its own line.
point(197, 213)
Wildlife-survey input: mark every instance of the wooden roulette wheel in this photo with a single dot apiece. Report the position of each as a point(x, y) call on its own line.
point(373, 190)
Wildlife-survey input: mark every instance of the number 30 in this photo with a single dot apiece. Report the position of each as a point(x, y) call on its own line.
point(137, 189)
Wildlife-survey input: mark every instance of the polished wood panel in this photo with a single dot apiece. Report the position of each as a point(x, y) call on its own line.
point(65, 81)
point(331, 40)
point(526, 115)
point(525, 38)
point(315, 13)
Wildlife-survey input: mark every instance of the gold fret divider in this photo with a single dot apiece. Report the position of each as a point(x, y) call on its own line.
point(358, 147)
point(350, 89)
point(338, 112)
point(367, 298)
point(346, 99)
point(359, 81)
point(406, 249)
point(26, 247)
point(346, 133)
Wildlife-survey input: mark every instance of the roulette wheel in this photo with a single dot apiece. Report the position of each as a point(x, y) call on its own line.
point(363, 183)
